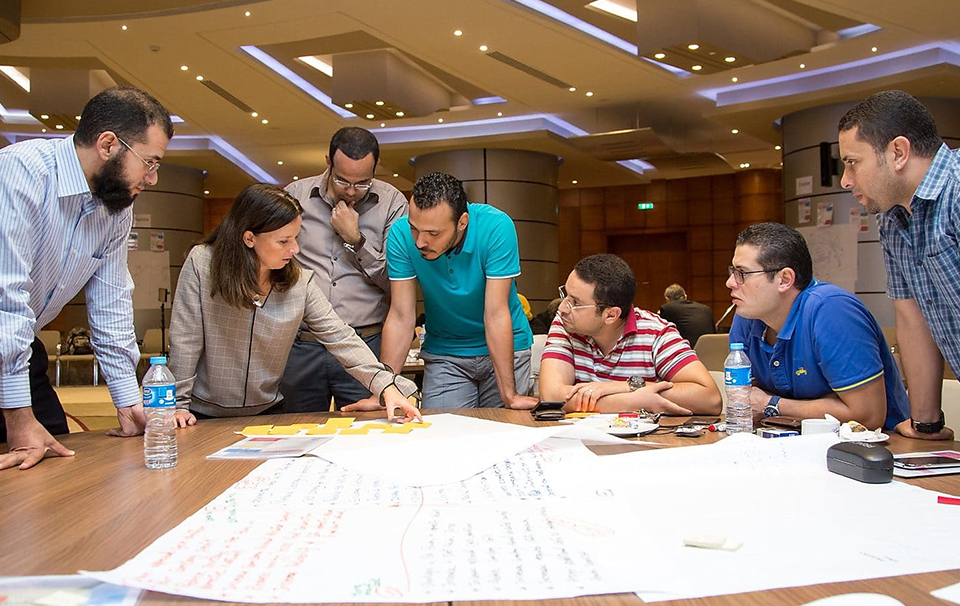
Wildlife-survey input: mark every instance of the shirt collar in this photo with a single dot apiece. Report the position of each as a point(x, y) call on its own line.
point(630, 327)
point(70, 178)
point(942, 167)
point(791, 324)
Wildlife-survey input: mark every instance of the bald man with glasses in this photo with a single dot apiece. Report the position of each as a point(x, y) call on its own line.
point(603, 354)
point(347, 214)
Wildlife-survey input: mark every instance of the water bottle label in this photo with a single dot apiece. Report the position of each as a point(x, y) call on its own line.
point(159, 396)
point(734, 377)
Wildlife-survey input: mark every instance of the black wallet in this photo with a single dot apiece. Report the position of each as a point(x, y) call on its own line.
point(782, 422)
point(548, 411)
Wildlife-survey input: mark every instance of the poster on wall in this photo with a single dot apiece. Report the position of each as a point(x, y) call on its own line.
point(141, 220)
point(156, 241)
point(805, 185)
point(858, 216)
point(803, 210)
point(824, 214)
point(833, 249)
point(133, 241)
point(150, 272)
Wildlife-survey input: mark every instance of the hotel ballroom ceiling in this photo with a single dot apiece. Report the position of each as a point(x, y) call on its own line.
point(618, 98)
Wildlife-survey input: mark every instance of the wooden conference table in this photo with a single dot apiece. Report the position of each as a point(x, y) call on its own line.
point(100, 508)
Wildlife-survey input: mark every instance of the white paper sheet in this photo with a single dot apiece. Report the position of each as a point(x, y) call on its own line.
point(950, 593)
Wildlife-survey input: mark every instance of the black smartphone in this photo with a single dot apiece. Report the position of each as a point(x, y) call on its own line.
point(548, 411)
point(926, 462)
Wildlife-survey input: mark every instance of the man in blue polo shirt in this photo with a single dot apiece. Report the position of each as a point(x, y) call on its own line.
point(814, 348)
point(465, 257)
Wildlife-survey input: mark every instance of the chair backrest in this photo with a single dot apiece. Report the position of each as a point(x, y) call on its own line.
point(712, 351)
point(50, 340)
point(536, 352)
point(152, 342)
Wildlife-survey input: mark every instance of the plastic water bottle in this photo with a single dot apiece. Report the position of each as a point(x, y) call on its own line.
point(738, 383)
point(159, 406)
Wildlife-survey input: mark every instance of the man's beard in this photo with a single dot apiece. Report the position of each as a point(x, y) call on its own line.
point(110, 186)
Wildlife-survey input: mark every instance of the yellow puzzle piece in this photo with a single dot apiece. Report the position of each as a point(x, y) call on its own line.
point(257, 430)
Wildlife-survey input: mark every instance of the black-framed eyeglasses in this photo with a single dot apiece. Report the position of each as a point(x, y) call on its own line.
point(740, 276)
point(152, 165)
point(356, 186)
point(565, 301)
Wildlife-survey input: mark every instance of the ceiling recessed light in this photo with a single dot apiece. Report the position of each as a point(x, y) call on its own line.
point(572, 89)
point(59, 127)
point(400, 114)
point(744, 165)
point(777, 147)
point(199, 78)
point(697, 68)
point(295, 177)
point(264, 121)
point(734, 79)
point(44, 117)
point(574, 181)
point(279, 162)
point(803, 65)
point(729, 59)
point(693, 46)
point(184, 68)
point(395, 175)
point(379, 102)
point(735, 131)
point(383, 124)
point(370, 116)
point(457, 32)
point(43, 130)
point(77, 117)
point(660, 55)
point(123, 27)
point(348, 105)
point(483, 48)
point(206, 192)
point(440, 120)
point(499, 114)
point(246, 14)
point(589, 93)
point(255, 114)
point(873, 49)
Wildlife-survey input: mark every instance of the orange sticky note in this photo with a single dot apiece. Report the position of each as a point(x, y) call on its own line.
point(257, 430)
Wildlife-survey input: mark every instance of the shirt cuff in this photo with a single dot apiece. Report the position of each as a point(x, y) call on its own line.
point(15, 391)
point(125, 392)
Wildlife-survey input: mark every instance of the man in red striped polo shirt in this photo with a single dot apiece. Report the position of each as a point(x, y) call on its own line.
point(603, 354)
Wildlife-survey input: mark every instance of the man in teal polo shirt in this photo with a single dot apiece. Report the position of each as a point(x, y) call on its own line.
point(465, 257)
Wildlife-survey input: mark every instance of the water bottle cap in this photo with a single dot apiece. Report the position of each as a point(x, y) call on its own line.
point(158, 360)
point(736, 346)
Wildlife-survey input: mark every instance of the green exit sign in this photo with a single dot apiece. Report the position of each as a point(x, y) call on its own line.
point(645, 206)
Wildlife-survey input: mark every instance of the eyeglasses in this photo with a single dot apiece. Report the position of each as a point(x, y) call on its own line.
point(356, 186)
point(740, 276)
point(565, 301)
point(152, 165)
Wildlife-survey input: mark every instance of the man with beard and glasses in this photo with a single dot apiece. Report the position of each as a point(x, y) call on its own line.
point(64, 219)
point(896, 163)
point(346, 216)
point(465, 258)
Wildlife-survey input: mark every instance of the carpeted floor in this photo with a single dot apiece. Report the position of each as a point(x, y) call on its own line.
point(88, 408)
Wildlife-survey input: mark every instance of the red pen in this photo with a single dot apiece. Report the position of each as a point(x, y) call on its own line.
point(948, 500)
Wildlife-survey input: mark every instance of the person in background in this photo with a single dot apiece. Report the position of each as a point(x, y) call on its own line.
point(896, 163)
point(540, 324)
point(603, 354)
point(64, 219)
point(692, 319)
point(241, 299)
point(347, 214)
point(465, 257)
point(814, 348)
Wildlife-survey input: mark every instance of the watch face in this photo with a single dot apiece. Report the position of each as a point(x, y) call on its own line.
point(771, 411)
point(636, 383)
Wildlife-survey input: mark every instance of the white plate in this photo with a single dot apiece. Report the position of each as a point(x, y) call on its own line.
point(641, 429)
point(870, 437)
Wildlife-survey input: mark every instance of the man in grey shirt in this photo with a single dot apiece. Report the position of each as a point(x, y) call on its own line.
point(346, 216)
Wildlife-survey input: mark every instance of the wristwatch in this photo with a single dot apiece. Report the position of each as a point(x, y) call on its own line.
point(636, 382)
point(355, 247)
point(772, 409)
point(928, 427)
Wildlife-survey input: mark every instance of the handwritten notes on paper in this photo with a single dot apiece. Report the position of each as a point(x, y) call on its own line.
point(342, 425)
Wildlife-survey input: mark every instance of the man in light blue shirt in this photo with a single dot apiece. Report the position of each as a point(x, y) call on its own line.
point(64, 219)
point(465, 258)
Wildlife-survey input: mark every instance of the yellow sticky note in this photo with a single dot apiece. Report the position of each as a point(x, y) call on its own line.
point(378, 425)
point(304, 425)
point(284, 430)
point(339, 423)
point(399, 428)
point(415, 425)
point(322, 430)
point(579, 415)
point(256, 430)
point(359, 431)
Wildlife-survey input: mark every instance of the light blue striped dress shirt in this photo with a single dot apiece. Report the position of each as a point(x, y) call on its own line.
point(56, 240)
